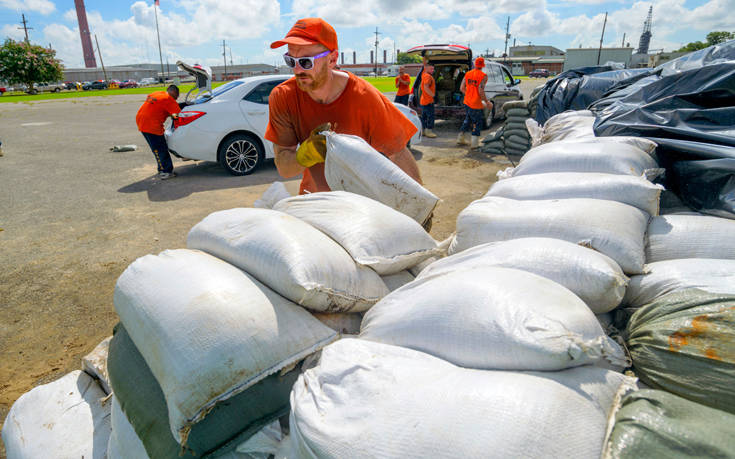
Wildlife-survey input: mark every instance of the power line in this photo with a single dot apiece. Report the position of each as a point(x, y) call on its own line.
point(25, 28)
point(376, 50)
point(224, 57)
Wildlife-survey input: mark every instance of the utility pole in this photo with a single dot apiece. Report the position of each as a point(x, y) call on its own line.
point(224, 57)
point(25, 28)
point(602, 37)
point(376, 51)
point(507, 36)
point(160, 55)
point(100, 53)
point(622, 45)
point(230, 56)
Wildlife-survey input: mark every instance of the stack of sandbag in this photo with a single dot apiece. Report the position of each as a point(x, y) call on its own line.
point(493, 143)
point(654, 423)
point(205, 355)
point(516, 138)
point(567, 125)
point(369, 399)
point(533, 101)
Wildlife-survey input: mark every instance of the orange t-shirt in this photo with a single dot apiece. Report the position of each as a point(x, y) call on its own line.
point(427, 79)
point(154, 111)
point(404, 84)
point(360, 110)
point(472, 80)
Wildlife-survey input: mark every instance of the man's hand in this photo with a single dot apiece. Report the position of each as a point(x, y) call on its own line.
point(314, 149)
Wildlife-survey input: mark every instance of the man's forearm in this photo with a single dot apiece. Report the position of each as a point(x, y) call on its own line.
point(405, 160)
point(285, 159)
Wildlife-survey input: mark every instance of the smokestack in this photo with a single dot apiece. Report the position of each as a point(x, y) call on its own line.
point(342, 58)
point(371, 56)
point(89, 60)
point(385, 57)
point(354, 57)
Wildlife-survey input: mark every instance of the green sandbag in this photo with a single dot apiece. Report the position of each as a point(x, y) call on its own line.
point(515, 151)
point(513, 125)
point(516, 142)
point(494, 144)
point(684, 343)
point(492, 151)
point(519, 112)
point(495, 135)
point(518, 133)
point(653, 423)
point(230, 422)
point(514, 104)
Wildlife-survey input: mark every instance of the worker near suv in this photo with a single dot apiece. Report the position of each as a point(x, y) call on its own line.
point(475, 100)
point(403, 83)
point(158, 106)
point(428, 92)
point(320, 97)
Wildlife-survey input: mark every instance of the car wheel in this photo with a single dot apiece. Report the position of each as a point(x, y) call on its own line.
point(57, 90)
point(240, 154)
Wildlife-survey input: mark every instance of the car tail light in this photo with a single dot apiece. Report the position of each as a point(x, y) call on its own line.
point(185, 118)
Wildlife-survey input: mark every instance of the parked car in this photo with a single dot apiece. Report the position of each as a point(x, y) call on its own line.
point(99, 84)
point(451, 62)
point(228, 125)
point(539, 73)
point(129, 84)
point(148, 81)
point(2, 90)
point(45, 87)
point(71, 85)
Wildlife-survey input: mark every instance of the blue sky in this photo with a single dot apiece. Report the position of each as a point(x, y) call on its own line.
point(193, 30)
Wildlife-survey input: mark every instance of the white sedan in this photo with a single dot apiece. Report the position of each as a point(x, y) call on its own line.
point(228, 126)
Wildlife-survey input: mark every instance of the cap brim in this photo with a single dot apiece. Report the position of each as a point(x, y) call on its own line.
point(293, 41)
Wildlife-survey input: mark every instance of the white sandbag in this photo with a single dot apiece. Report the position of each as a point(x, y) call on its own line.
point(367, 400)
point(662, 277)
point(345, 323)
point(614, 229)
point(265, 443)
point(690, 236)
point(353, 165)
point(491, 319)
point(568, 125)
point(208, 330)
point(588, 156)
point(397, 280)
point(649, 146)
point(291, 257)
point(95, 364)
point(635, 191)
point(595, 278)
point(374, 234)
point(276, 192)
point(124, 442)
point(63, 419)
point(421, 266)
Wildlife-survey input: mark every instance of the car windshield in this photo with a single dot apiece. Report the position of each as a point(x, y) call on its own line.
point(217, 91)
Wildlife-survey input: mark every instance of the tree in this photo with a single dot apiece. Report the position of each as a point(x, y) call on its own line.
point(405, 58)
point(713, 38)
point(28, 64)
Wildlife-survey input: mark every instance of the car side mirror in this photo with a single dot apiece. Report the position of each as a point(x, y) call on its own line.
point(517, 81)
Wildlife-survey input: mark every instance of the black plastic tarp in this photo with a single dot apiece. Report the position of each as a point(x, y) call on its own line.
point(577, 88)
point(688, 107)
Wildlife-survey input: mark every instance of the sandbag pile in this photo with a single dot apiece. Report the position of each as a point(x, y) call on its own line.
point(567, 125)
point(516, 139)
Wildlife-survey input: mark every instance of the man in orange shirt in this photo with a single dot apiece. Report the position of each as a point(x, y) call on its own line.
point(403, 83)
point(473, 88)
point(428, 91)
point(318, 94)
point(157, 107)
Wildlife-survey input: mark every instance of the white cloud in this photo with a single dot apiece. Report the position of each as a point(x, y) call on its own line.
point(41, 6)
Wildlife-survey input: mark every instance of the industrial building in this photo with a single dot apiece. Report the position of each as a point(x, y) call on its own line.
point(585, 57)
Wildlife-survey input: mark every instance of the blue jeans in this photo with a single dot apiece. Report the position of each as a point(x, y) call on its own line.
point(473, 120)
point(427, 116)
point(402, 99)
point(160, 151)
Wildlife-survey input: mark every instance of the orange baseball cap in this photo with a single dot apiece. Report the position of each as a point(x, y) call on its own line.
point(480, 62)
point(310, 31)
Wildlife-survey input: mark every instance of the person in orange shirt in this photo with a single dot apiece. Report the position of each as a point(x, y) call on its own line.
point(428, 91)
point(403, 83)
point(150, 118)
point(475, 100)
point(300, 107)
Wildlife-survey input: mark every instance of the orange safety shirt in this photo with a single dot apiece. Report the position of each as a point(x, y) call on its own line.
point(404, 84)
point(427, 80)
point(360, 110)
point(472, 80)
point(157, 107)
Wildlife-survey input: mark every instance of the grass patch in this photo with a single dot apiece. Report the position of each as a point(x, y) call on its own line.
point(22, 97)
point(384, 84)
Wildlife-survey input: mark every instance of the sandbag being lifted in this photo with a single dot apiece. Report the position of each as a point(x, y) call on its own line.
point(635, 191)
point(614, 229)
point(353, 165)
point(209, 331)
point(491, 318)
point(371, 232)
point(690, 236)
point(367, 400)
point(289, 256)
point(595, 278)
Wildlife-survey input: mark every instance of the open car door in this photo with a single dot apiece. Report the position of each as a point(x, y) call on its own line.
point(203, 78)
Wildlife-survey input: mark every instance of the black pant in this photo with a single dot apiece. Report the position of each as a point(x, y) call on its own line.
point(402, 99)
point(160, 151)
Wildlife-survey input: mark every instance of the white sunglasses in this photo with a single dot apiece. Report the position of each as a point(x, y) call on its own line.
point(305, 63)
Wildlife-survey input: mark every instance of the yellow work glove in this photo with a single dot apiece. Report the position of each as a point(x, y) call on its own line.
point(314, 149)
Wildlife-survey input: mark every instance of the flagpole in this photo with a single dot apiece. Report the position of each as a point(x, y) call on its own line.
point(160, 55)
